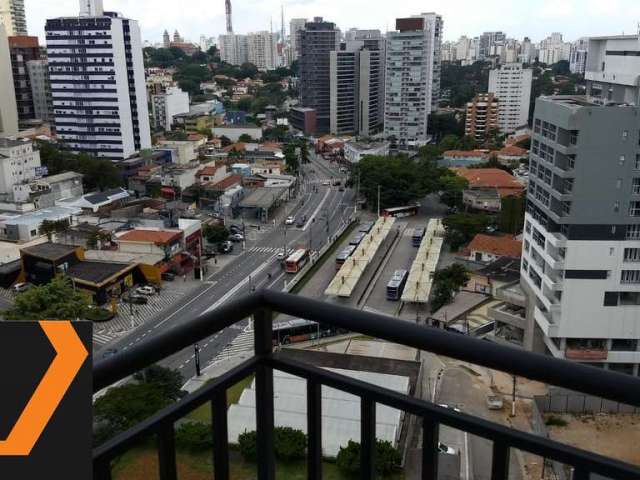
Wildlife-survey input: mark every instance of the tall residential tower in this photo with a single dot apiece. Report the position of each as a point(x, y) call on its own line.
point(97, 82)
point(13, 18)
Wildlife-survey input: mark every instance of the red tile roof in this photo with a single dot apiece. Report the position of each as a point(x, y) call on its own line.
point(207, 171)
point(466, 153)
point(517, 139)
point(194, 137)
point(158, 237)
point(504, 246)
point(228, 182)
point(513, 151)
point(504, 182)
point(235, 147)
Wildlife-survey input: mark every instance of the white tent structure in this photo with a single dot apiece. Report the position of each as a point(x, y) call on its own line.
point(420, 281)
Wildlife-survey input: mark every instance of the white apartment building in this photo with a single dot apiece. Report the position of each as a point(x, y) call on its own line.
point(262, 50)
point(553, 49)
point(38, 71)
point(8, 105)
point(295, 25)
point(578, 56)
point(581, 252)
point(166, 105)
point(233, 48)
point(412, 55)
point(13, 18)
point(511, 84)
point(613, 69)
point(19, 166)
point(97, 83)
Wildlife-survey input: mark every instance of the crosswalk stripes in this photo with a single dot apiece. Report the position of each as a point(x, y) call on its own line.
point(243, 343)
point(265, 250)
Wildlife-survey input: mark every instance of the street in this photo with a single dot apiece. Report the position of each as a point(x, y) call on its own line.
point(326, 209)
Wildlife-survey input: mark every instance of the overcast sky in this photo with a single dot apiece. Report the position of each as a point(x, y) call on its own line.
point(519, 18)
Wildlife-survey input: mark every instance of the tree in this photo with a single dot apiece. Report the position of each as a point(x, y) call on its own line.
point(245, 138)
point(561, 68)
point(387, 458)
point(445, 283)
point(462, 227)
point(288, 444)
point(512, 214)
point(57, 300)
point(452, 187)
point(449, 142)
point(247, 70)
point(215, 233)
point(244, 103)
point(442, 124)
point(291, 158)
point(248, 445)
point(225, 141)
point(170, 381)
point(194, 437)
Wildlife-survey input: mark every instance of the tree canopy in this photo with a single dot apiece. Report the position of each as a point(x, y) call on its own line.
point(57, 300)
point(446, 283)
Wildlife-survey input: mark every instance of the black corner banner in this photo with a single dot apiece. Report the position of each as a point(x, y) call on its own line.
point(45, 400)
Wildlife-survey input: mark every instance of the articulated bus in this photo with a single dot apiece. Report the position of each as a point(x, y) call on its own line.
point(357, 238)
point(418, 235)
point(400, 212)
point(296, 261)
point(366, 227)
point(396, 285)
point(344, 255)
point(300, 330)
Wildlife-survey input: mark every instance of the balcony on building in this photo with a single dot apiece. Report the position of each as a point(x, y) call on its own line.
point(261, 306)
point(585, 350)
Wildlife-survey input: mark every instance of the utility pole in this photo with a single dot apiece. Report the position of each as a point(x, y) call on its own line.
point(378, 201)
point(196, 350)
point(513, 398)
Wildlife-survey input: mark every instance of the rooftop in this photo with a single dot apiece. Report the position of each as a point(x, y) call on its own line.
point(504, 246)
point(506, 183)
point(158, 237)
point(37, 217)
point(62, 177)
point(513, 151)
point(96, 272)
point(466, 153)
point(230, 181)
point(262, 197)
point(504, 269)
point(50, 251)
point(10, 143)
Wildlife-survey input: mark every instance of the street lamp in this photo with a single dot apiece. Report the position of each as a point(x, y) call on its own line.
point(196, 349)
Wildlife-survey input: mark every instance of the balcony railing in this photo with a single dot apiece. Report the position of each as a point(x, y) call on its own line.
point(586, 354)
point(261, 305)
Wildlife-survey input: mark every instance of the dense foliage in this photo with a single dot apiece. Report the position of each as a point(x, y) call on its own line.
point(462, 227)
point(464, 82)
point(215, 233)
point(97, 174)
point(387, 458)
point(194, 437)
point(446, 283)
point(57, 300)
point(288, 444)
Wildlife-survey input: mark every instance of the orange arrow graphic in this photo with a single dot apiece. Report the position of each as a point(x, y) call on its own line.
point(70, 355)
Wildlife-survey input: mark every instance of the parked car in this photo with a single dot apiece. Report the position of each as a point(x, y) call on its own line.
point(341, 189)
point(21, 287)
point(136, 299)
point(301, 222)
point(147, 290)
point(236, 237)
point(225, 247)
point(283, 256)
point(326, 183)
point(168, 276)
point(109, 352)
point(290, 220)
point(235, 229)
point(494, 402)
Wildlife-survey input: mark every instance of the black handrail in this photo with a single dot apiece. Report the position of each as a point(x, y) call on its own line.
point(574, 376)
point(613, 386)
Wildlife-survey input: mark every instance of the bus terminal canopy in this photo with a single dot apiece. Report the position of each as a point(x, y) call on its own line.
point(351, 271)
point(263, 198)
point(420, 281)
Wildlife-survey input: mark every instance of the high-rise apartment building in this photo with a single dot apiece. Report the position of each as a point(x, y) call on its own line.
point(357, 85)
point(8, 107)
point(38, 71)
point(553, 49)
point(511, 84)
point(97, 83)
point(315, 43)
point(13, 18)
point(578, 56)
point(166, 39)
point(23, 49)
point(481, 116)
point(613, 67)
point(527, 51)
point(488, 42)
point(295, 25)
point(262, 50)
point(412, 55)
point(233, 48)
point(581, 254)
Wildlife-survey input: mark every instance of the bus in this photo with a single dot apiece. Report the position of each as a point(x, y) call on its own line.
point(401, 212)
point(296, 261)
point(366, 227)
point(418, 235)
point(344, 255)
point(299, 330)
point(396, 285)
point(357, 238)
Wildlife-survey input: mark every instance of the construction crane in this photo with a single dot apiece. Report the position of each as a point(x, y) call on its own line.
point(227, 4)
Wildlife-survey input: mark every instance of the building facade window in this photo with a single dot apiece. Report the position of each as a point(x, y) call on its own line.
point(634, 209)
point(633, 232)
point(630, 276)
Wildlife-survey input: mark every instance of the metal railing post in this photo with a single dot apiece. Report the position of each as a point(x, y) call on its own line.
point(167, 453)
point(102, 471)
point(220, 436)
point(367, 438)
point(314, 430)
point(263, 332)
point(500, 461)
point(430, 437)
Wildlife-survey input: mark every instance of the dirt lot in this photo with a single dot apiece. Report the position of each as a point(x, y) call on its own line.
point(601, 434)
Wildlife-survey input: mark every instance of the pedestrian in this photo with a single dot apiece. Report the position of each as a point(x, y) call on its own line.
point(184, 277)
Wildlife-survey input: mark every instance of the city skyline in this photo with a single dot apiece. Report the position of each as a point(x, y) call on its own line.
point(533, 19)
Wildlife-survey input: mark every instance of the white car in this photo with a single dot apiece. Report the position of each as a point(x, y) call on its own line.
point(455, 409)
point(290, 220)
point(446, 449)
point(326, 183)
point(147, 290)
point(21, 287)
